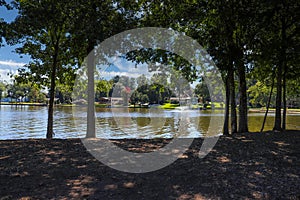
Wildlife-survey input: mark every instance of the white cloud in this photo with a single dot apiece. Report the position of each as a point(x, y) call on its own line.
point(11, 63)
point(122, 67)
point(109, 75)
point(7, 68)
point(122, 64)
point(5, 74)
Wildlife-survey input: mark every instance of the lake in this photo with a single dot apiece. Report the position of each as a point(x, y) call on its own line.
point(114, 123)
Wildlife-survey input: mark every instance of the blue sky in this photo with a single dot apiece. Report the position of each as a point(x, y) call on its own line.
point(10, 61)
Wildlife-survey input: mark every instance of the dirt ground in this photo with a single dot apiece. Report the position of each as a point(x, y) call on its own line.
point(244, 166)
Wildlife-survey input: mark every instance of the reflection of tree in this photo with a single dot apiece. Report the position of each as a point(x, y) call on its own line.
point(143, 121)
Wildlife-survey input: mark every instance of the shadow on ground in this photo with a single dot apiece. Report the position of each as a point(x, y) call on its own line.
point(245, 166)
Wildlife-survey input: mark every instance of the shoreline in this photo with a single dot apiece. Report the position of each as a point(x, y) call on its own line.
point(259, 110)
point(22, 104)
point(251, 110)
point(267, 132)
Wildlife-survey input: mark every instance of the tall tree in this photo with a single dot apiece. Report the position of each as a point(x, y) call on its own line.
point(203, 26)
point(96, 21)
point(42, 27)
point(59, 35)
point(2, 34)
point(279, 45)
point(228, 31)
point(3, 24)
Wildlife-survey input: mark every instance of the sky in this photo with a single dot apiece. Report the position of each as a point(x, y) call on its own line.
point(9, 60)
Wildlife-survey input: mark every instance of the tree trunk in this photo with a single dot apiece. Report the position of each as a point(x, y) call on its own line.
point(243, 109)
point(277, 125)
point(91, 127)
point(284, 99)
point(285, 69)
point(268, 106)
point(50, 132)
point(232, 101)
point(227, 102)
point(281, 67)
point(91, 41)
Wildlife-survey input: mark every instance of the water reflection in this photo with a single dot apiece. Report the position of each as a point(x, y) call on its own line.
point(31, 122)
point(21, 122)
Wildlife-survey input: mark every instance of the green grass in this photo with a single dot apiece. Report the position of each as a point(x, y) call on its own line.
point(215, 105)
point(197, 106)
point(169, 106)
point(219, 105)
